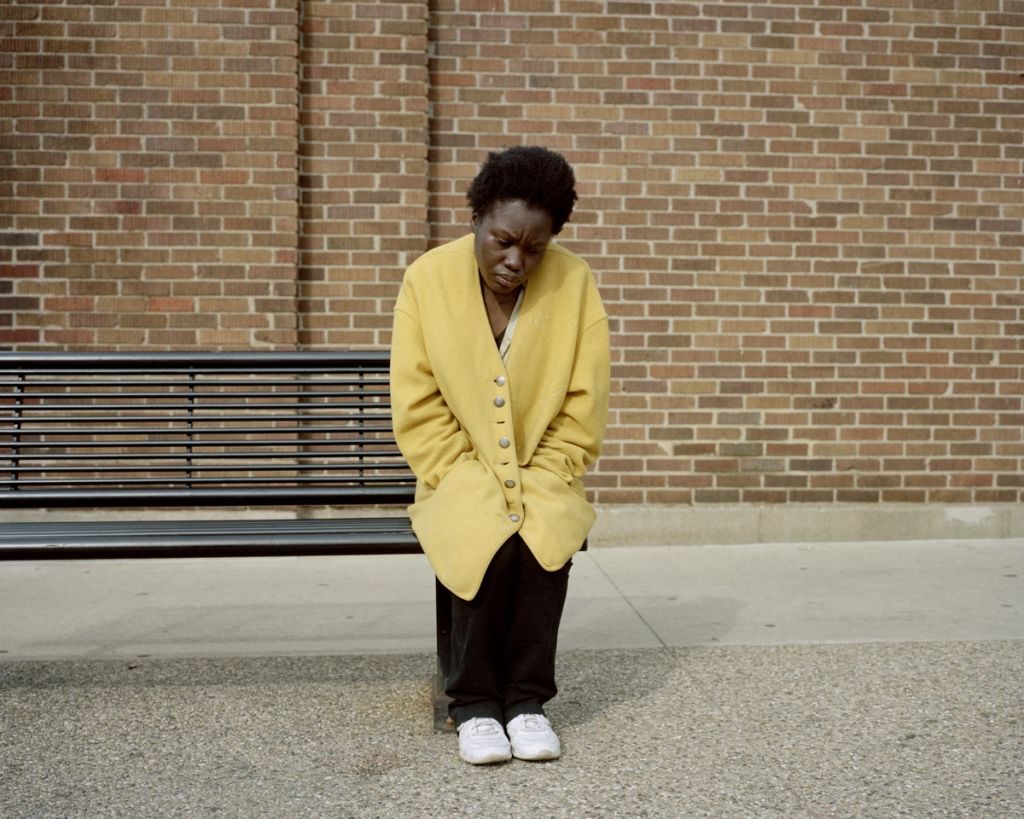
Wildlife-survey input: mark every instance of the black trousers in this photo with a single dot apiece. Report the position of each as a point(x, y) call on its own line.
point(503, 640)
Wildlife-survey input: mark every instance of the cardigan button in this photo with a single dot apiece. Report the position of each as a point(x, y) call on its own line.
point(504, 443)
point(499, 401)
point(510, 484)
point(500, 381)
point(514, 518)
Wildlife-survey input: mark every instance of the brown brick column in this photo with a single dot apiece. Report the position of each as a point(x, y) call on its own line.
point(363, 165)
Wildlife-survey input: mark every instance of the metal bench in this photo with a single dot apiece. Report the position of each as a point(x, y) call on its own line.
point(232, 433)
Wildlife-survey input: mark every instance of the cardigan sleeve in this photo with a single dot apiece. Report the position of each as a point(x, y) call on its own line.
point(572, 441)
point(428, 434)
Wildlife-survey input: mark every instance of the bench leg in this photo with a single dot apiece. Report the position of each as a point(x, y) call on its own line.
point(442, 602)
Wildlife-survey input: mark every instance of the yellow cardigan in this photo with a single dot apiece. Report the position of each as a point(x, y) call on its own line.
point(498, 447)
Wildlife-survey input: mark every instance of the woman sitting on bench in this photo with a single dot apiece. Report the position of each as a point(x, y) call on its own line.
point(499, 379)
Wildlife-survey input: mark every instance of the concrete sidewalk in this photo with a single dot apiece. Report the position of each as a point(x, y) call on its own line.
point(635, 597)
point(861, 679)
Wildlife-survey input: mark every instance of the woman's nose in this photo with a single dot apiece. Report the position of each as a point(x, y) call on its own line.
point(513, 259)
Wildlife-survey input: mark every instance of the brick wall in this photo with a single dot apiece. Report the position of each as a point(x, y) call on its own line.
point(805, 217)
point(806, 223)
point(149, 173)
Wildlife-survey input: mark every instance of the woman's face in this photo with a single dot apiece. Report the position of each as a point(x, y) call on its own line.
point(510, 242)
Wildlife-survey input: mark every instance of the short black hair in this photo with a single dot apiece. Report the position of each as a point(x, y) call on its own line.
point(540, 177)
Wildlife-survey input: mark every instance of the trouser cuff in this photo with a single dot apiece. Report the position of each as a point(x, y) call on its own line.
point(464, 713)
point(524, 707)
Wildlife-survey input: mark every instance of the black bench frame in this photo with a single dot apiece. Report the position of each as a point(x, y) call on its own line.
point(302, 430)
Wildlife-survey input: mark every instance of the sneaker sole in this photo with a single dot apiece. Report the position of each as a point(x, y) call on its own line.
point(491, 759)
point(537, 756)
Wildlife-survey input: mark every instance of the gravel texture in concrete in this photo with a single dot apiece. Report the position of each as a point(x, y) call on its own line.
point(877, 730)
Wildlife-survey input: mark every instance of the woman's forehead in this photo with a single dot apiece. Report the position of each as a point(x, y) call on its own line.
point(517, 216)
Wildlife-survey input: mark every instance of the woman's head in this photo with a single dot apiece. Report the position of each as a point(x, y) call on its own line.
point(537, 176)
point(520, 199)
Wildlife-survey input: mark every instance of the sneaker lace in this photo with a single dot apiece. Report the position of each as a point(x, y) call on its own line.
point(483, 727)
point(534, 722)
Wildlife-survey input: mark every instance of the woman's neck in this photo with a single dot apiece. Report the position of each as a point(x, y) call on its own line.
point(499, 308)
point(506, 299)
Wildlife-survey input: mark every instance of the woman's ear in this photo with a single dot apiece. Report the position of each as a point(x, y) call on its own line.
point(474, 222)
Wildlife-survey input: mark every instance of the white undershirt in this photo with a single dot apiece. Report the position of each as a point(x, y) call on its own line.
point(506, 339)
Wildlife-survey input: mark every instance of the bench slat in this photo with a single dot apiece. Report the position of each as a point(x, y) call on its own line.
point(240, 496)
point(206, 538)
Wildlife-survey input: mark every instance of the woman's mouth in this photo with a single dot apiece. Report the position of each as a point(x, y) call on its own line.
point(508, 282)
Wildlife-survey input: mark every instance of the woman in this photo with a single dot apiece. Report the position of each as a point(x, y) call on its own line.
point(499, 379)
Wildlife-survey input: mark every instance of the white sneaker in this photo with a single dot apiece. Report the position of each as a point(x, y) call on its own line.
point(533, 738)
point(482, 741)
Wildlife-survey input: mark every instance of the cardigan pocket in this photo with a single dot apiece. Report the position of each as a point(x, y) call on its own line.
point(558, 516)
point(461, 525)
